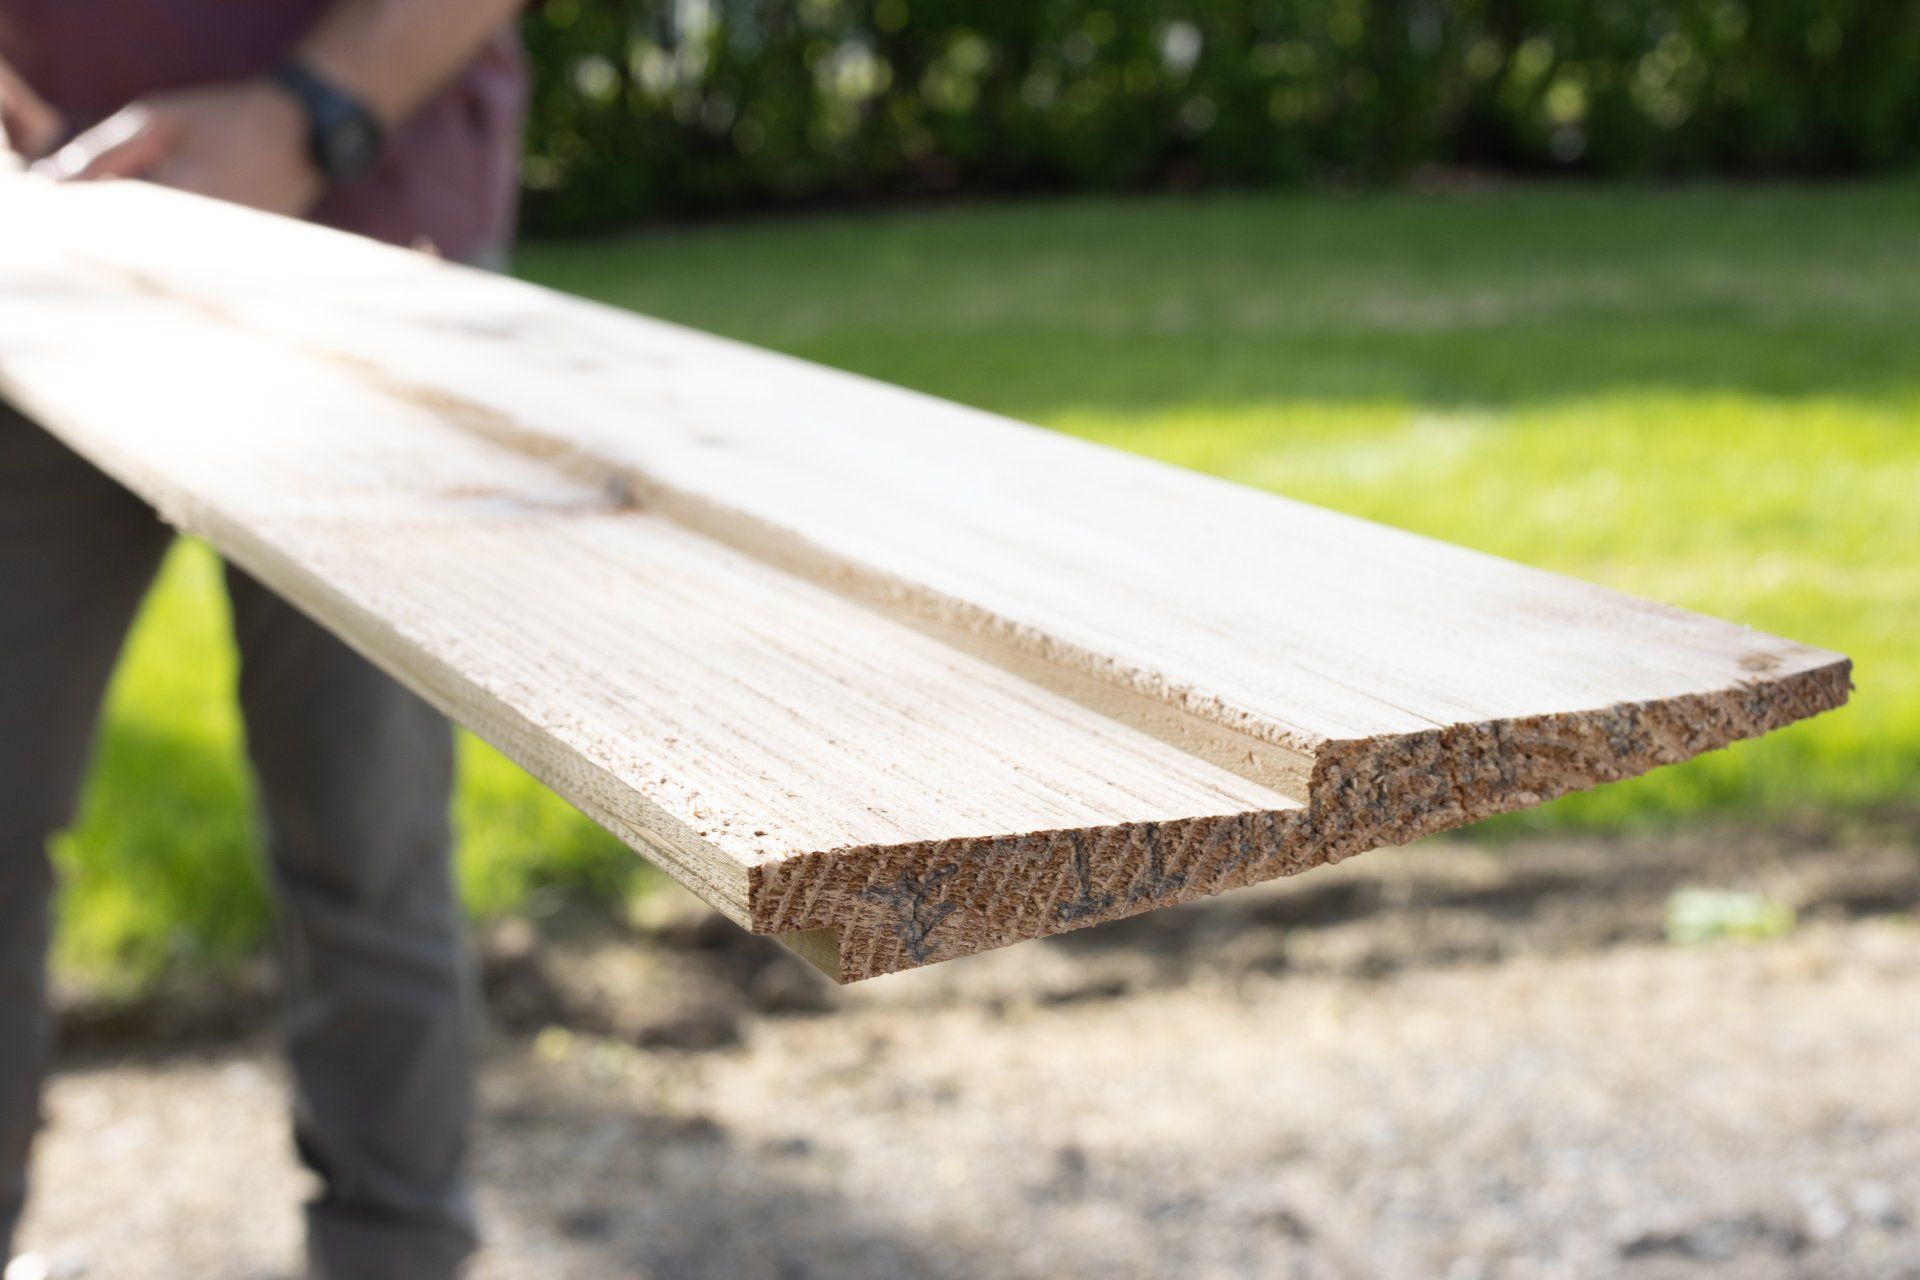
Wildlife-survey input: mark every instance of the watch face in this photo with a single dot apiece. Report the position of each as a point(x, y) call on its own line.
point(350, 144)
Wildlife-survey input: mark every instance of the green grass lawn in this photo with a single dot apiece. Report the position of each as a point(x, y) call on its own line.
point(1707, 396)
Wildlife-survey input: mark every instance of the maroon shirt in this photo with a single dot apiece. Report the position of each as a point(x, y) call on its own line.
point(449, 174)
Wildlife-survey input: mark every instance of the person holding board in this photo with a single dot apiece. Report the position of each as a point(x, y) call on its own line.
point(396, 119)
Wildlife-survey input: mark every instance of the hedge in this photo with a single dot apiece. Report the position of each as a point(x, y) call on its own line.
point(645, 108)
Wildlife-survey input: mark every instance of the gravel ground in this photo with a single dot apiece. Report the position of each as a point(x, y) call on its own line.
point(1437, 1062)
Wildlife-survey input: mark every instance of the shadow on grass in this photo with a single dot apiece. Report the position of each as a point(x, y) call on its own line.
point(1496, 298)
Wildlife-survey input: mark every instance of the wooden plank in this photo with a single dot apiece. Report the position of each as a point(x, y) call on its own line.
point(966, 680)
point(712, 711)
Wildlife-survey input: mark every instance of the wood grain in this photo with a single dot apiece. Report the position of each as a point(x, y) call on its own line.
point(899, 678)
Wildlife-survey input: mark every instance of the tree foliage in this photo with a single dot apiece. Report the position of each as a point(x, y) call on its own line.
point(651, 107)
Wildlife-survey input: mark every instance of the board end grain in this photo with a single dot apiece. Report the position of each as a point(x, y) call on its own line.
point(859, 912)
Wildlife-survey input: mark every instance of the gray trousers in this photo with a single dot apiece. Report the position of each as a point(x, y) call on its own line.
point(354, 774)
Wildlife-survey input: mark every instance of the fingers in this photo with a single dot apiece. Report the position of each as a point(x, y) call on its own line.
point(28, 125)
point(128, 144)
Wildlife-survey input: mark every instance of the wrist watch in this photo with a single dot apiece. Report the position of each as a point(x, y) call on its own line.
point(343, 136)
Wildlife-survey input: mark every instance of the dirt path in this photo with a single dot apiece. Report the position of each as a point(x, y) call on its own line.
point(1429, 1063)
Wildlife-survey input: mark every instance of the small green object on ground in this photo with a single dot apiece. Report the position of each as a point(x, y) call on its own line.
point(1710, 915)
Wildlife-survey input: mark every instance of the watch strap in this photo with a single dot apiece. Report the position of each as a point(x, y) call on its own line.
point(343, 136)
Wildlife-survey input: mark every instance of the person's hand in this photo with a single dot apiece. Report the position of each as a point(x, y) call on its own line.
point(28, 126)
point(245, 142)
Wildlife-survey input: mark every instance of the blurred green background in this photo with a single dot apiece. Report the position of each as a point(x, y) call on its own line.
point(1706, 395)
point(651, 107)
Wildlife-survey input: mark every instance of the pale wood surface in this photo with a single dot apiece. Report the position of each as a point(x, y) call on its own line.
point(842, 657)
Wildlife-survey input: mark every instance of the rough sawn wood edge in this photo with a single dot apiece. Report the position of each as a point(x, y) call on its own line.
point(860, 912)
